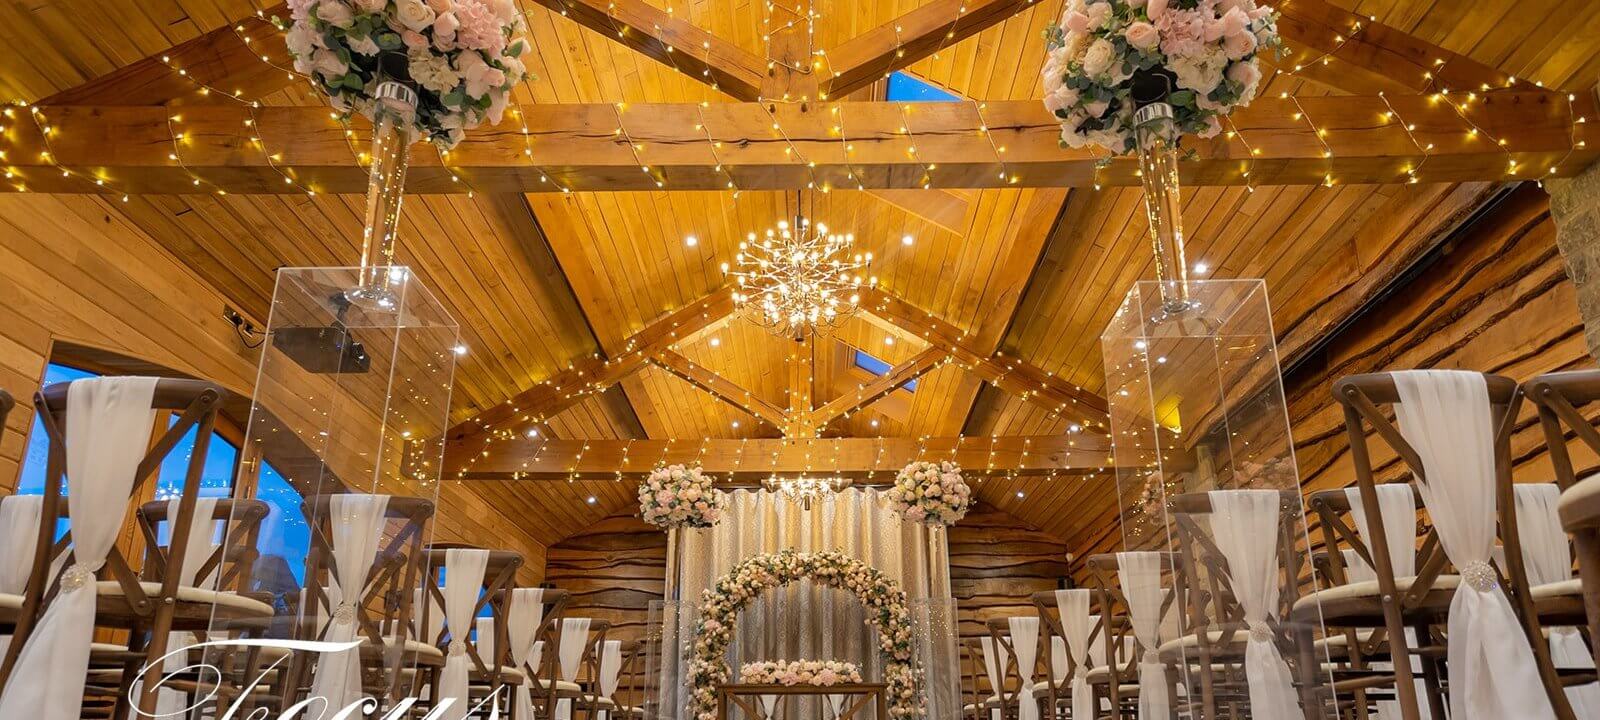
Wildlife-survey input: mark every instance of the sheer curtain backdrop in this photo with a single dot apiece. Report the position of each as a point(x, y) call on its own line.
point(805, 620)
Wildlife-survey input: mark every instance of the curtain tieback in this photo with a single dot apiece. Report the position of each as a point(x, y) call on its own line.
point(1260, 631)
point(77, 576)
point(344, 613)
point(1480, 576)
point(457, 648)
point(1151, 657)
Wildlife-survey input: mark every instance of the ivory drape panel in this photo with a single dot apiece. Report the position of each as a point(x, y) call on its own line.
point(804, 620)
point(1548, 559)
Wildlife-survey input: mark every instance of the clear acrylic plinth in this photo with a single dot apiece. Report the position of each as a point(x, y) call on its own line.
point(1196, 405)
point(352, 396)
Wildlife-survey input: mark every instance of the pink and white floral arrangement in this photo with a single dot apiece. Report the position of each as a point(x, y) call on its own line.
point(930, 493)
point(885, 603)
point(1200, 56)
point(462, 57)
point(679, 496)
point(824, 673)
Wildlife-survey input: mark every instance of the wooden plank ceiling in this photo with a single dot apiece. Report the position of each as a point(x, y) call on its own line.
point(545, 280)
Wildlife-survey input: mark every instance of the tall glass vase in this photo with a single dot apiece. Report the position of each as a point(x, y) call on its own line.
point(1156, 138)
point(394, 111)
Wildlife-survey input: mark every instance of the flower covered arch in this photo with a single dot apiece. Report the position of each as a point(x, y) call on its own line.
point(886, 611)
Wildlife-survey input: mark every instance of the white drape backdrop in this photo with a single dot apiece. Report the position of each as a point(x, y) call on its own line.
point(804, 620)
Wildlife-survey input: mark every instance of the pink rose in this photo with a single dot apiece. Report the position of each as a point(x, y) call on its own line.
point(1096, 108)
point(1213, 126)
point(1099, 14)
point(1234, 22)
point(1239, 45)
point(1245, 74)
point(413, 40)
point(444, 30)
point(1156, 8)
point(371, 6)
point(1142, 35)
point(335, 13)
point(1077, 22)
point(441, 6)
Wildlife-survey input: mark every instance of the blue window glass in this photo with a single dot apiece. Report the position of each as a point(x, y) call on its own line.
point(285, 534)
point(31, 482)
point(216, 475)
point(878, 367)
point(905, 88)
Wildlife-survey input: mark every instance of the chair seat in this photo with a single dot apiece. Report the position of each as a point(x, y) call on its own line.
point(561, 685)
point(201, 601)
point(1358, 604)
point(1579, 507)
point(1559, 603)
point(1573, 587)
point(423, 652)
point(9, 605)
point(1171, 648)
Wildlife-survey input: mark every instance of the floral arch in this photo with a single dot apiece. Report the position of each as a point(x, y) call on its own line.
point(886, 611)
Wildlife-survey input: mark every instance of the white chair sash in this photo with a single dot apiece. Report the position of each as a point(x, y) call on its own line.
point(1025, 642)
point(1076, 625)
point(1058, 660)
point(483, 639)
point(995, 657)
point(356, 521)
point(1397, 506)
point(463, 582)
point(1139, 573)
point(569, 655)
point(1245, 525)
point(1549, 560)
point(1445, 416)
point(19, 530)
point(524, 615)
point(107, 432)
point(610, 670)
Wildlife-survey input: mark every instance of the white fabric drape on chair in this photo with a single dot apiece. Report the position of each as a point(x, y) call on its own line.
point(569, 655)
point(1139, 573)
point(1445, 416)
point(995, 658)
point(1397, 510)
point(610, 654)
point(524, 615)
point(107, 433)
point(1549, 560)
point(1077, 624)
point(356, 521)
point(19, 530)
point(1245, 523)
point(463, 582)
point(1025, 641)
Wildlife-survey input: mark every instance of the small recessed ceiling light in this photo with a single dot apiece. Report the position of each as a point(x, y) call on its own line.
point(1020, 494)
point(533, 432)
point(460, 349)
point(907, 240)
point(1162, 359)
point(592, 500)
point(716, 341)
point(1074, 428)
point(691, 241)
point(405, 433)
point(736, 424)
point(1200, 268)
point(1139, 345)
point(888, 340)
point(874, 422)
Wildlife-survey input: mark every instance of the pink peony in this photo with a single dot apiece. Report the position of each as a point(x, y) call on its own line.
point(1099, 14)
point(413, 40)
point(1077, 22)
point(1239, 44)
point(480, 28)
point(441, 6)
point(1182, 33)
point(1156, 8)
point(1142, 35)
point(444, 31)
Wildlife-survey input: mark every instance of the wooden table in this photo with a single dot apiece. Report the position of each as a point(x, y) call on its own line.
point(747, 697)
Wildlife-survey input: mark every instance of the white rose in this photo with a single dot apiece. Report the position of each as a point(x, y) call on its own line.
point(414, 14)
point(1099, 58)
point(364, 45)
point(301, 39)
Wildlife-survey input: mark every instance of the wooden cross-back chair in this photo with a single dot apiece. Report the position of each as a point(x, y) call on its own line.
point(614, 707)
point(1213, 632)
point(1060, 696)
point(383, 608)
point(499, 576)
point(980, 704)
point(1012, 697)
point(1424, 600)
point(1123, 649)
point(555, 687)
point(541, 675)
point(1558, 398)
point(148, 610)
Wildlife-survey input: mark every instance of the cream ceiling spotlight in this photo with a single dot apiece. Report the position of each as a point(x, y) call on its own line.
point(799, 278)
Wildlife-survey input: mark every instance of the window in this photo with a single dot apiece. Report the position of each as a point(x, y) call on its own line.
point(879, 367)
point(285, 534)
point(905, 88)
point(31, 482)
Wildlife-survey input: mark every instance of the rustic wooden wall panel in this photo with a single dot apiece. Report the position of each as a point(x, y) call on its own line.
point(616, 567)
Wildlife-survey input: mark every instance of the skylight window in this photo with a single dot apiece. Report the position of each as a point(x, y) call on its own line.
point(878, 367)
point(905, 88)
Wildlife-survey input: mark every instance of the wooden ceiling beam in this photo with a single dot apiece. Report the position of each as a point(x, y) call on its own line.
point(897, 376)
point(672, 41)
point(1010, 374)
point(755, 458)
point(1357, 54)
point(720, 387)
point(576, 147)
point(582, 378)
point(913, 36)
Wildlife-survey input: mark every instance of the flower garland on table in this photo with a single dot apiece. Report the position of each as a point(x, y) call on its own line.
point(1197, 55)
point(825, 673)
point(930, 493)
point(678, 496)
point(462, 57)
point(883, 599)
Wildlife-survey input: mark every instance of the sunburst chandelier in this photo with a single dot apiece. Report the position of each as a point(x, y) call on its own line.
point(805, 490)
point(799, 278)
